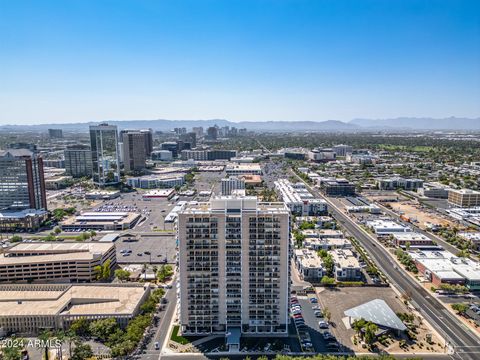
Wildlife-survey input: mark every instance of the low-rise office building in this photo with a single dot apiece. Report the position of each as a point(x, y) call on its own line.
point(464, 197)
point(15, 220)
point(243, 169)
point(387, 227)
point(157, 181)
point(100, 221)
point(399, 183)
point(413, 240)
point(336, 187)
point(27, 309)
point(55, 262)
point(434, 191)
point(159, 194)
point(102, 194)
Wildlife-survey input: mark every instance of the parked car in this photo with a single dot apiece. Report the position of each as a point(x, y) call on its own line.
point(323, 325)
point(313, 300)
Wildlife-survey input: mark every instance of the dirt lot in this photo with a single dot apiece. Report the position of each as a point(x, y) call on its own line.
point(418, 213)
point(341, 299)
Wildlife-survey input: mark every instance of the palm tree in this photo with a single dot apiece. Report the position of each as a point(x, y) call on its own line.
point(45, 337)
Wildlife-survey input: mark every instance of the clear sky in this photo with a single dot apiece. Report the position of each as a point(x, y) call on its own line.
point(89, 60)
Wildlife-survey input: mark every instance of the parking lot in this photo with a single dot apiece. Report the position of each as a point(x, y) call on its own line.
point(208, 181)
point(337, 300)
point(148, 248)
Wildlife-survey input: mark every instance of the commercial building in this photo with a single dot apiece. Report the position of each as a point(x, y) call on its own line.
point(232, 183)
point(57, 182)
point(413, 240)
point(299, 200)
point(208, 155)
point(442, 267)
point(243, 169)
point(342, 150)
point(399, 183)
point(27, 309)
point(253, 180)
point(78, 161)
point(234, 268)
point(55, 261)
point(322, 155)
point(22, 183)
point(55, 133)
point(102, 194)
point(469, 215)
point(100, 221)
point(105, 154)
point(134, 153)
point(157, 181)
point(159, 194)
point(337, 187)
point(387, 227)
point(190, 138)
point(171, 146)
point(212, 133)
point(433, 190)
point(473, 237)
point(372, 209)
point(347, 267)
point(162, 155)
point(464, 197)
point(309, 265)
point(28, 220)
point(361, 159)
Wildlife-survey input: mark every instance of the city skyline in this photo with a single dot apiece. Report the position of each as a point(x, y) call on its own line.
point(242, 61)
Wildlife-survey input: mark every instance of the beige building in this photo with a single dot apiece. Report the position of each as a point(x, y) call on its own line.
point(464, 197)
point(234, 267)
point(30, 308)
point(55, 262)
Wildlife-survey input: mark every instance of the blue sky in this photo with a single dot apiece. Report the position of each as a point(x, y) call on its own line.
point(88, 60)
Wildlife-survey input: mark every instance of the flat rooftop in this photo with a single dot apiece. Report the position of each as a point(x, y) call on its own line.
point(74, 300)
point(53, 252)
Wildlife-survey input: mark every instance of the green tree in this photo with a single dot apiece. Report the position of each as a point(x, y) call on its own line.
point(82, 351)
point(370, 331)
point(326, 281)
point(122, 275)
point(12, 350)
point(45, 337)
point(16, 238)
point(57, 230)
point(80, 327)
point(460, 308)
point(103, 328)
point(106, 270)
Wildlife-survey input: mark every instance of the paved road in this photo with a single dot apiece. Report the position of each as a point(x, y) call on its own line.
point(465, 343)
point(163, 326)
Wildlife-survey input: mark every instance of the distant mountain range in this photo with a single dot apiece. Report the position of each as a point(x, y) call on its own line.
point(451, 123)
point(356, 125)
